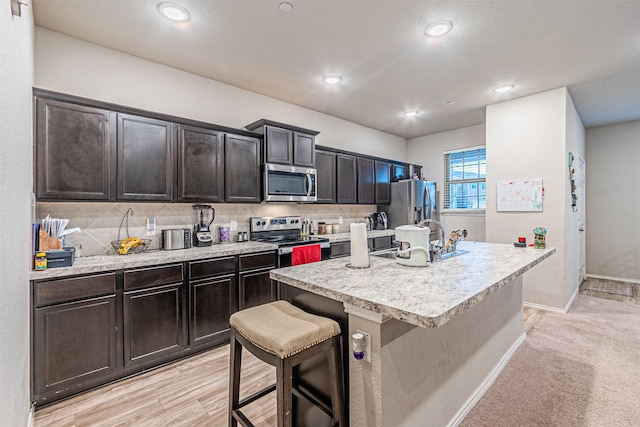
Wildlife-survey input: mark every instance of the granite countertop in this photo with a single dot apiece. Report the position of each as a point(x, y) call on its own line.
point(345, 237)
point(423, 296)
point(95, 264)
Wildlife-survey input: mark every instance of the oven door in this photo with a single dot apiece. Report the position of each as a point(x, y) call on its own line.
point(289, 183)
point(285, 253)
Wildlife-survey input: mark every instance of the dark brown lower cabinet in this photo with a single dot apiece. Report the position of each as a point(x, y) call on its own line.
point(154, 319)
point(74, 336)
point(212, 287)
point(255, 287)
point(153, 325)
point(89, 330)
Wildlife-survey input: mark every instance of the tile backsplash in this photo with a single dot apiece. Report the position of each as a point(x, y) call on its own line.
point(100, 222)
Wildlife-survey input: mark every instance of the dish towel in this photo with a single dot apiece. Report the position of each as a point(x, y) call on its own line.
point(305, 254)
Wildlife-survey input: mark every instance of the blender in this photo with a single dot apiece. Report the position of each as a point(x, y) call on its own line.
point(202, 218)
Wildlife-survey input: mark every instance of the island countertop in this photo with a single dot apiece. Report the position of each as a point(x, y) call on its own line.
point(423, 296)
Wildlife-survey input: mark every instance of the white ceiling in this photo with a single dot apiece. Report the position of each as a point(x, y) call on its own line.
point(388, 65)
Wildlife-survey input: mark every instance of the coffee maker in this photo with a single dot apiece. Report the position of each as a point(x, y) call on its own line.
point(202, 218)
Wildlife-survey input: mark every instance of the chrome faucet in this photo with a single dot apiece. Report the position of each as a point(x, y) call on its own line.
point(445, 246)
point(436, 250)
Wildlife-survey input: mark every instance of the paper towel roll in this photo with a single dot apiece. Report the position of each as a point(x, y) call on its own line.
point(359, 249)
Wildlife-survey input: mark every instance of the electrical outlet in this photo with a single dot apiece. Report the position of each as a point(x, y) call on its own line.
point(233, 225)
point(367, 340)
point(340, 220)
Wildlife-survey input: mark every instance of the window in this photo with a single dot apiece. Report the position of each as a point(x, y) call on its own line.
point(465, 174)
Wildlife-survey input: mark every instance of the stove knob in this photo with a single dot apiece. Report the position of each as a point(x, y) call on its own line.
point(296, 221)
point(264, 223)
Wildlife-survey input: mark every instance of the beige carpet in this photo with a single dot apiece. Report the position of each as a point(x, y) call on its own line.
point(575, 369)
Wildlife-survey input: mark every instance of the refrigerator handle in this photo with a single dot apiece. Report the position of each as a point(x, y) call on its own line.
point(427, 203)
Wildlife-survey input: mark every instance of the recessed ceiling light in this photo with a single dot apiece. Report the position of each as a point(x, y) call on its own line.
point(451, 102)
point(173, 12)
point(438, 28)
point(411, 113)
point(332, 80)
point(503, 89)
point(286, 7)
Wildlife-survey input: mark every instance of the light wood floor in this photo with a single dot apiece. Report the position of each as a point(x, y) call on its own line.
point(192, 392)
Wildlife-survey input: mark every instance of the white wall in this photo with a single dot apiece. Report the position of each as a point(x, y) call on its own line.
point(72, 66)
point(530, 138)
point(613, 194)
point(16, 78)
point(429, 152)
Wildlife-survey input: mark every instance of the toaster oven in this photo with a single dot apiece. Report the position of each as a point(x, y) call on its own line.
point(176, 238)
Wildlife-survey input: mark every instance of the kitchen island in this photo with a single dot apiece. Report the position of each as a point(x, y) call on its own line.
point(439, 334)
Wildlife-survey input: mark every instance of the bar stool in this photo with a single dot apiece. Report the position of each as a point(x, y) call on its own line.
point(284, 336)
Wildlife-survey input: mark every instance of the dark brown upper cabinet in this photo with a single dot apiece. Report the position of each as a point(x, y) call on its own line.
point(383, 182)
point(146, 158)
point(200, 164)
point(400, 171)
point(242, 165)
point(346, 179)
point(326, 178)
point(366, 181)
point(75, 152)
point(286, 144)
point(278, 145)
point(304, 150)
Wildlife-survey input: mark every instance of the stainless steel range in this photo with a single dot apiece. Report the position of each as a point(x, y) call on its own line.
point(286, 232)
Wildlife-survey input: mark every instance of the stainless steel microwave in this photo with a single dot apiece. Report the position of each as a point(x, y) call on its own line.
point(284, 183)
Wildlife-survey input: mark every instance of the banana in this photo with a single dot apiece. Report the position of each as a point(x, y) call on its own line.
point(128, 243)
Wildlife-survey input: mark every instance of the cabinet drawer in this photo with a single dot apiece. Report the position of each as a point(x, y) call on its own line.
point(155, 276)
point(340, 249)
point(212, 267)
point(75, 288)
point(383, 242)
point(255, 261)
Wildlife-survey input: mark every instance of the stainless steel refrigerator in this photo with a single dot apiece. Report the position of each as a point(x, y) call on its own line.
point(412, 201)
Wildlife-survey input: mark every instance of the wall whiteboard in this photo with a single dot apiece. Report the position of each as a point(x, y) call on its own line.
point(523, 195)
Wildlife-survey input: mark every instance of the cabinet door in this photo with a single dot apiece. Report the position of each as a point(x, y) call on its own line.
point(200, 165)
point(74, 346)
point(326, 179)
point(279, 145)
point(75, 152)
point(242, 169)
point(212, 301)
point(346, 179)
point(255, 288)
point(304, 150)
point(146, 162)
point(400, 171)
point(383, 182)
point(366, 181)
point(153, 325)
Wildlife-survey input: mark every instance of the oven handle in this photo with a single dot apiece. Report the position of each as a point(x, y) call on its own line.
point(289, 249)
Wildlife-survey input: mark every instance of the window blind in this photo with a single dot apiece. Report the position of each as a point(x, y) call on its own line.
point(465, 178)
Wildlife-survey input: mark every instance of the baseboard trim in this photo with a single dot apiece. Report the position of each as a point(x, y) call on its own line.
point(486, 384)
point(617, 279)
point(546, 307)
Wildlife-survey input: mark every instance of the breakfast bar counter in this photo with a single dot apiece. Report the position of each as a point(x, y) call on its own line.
point(439, 335)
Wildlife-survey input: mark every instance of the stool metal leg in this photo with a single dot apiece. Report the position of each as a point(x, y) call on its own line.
point(234, 377)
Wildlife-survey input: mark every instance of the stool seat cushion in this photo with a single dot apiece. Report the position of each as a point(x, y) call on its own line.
point(282, 329)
